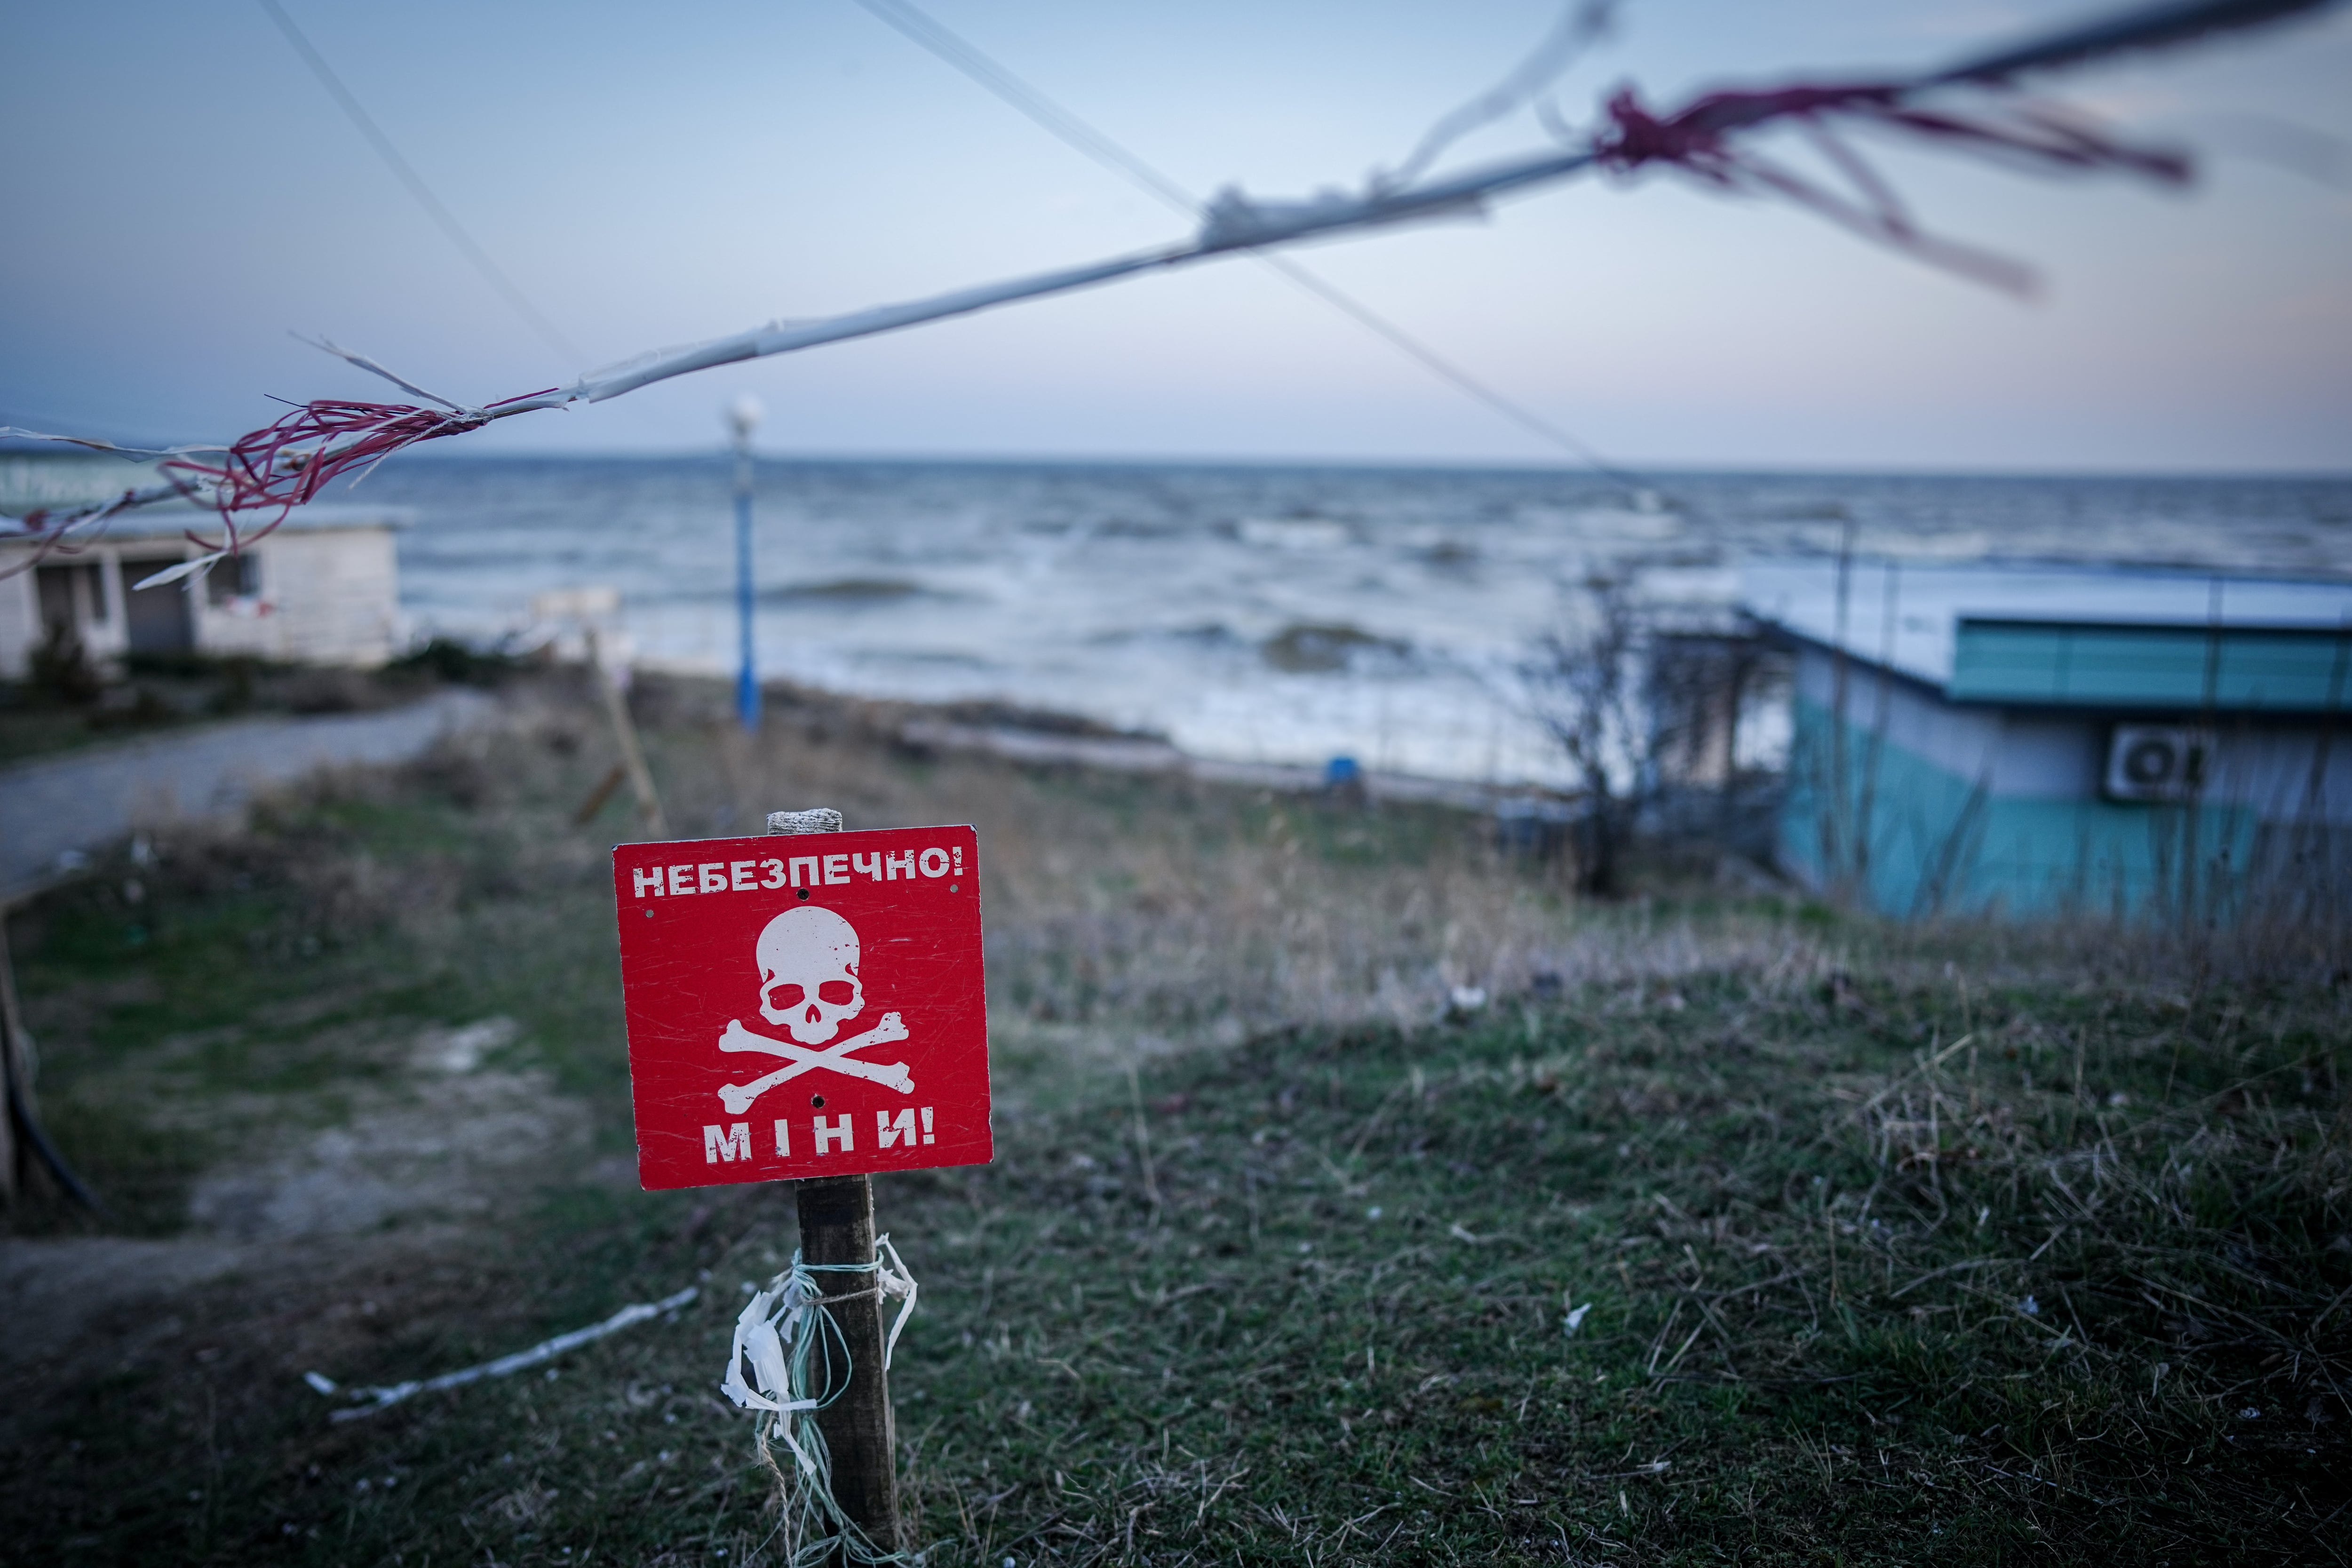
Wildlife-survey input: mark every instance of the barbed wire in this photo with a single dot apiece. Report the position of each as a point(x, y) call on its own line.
point(291, 459)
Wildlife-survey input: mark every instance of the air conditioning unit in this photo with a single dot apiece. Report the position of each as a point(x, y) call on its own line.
point(2158, 762)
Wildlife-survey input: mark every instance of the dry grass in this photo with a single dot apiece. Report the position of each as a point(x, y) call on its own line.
point(1205, 910)
point(1900, 1244)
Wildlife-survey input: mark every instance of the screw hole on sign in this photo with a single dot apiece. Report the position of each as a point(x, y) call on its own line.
point(954, 888)
point(804, 894)
point(816, 1102)
point(649, 914)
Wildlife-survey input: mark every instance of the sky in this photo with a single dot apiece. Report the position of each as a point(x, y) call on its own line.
point(185, 195)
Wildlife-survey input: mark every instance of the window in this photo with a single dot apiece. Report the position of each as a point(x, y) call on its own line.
point(71, 597)
point(238, 577)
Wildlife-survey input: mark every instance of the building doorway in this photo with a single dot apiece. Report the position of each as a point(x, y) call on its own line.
point(156, 620)
point(73, 597)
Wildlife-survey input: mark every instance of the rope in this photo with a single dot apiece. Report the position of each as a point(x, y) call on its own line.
point(790, 1343)
point(1697, 142)
point(375, 1399)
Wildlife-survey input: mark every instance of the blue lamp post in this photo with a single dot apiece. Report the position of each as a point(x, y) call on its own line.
point(742, 416)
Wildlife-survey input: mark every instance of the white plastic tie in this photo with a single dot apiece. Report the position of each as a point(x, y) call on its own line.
point(787, 1341)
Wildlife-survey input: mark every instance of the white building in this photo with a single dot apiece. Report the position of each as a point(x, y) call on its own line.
point(322, 588)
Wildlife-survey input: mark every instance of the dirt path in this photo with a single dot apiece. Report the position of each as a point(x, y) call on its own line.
point(419, 1152)
point(52, 811)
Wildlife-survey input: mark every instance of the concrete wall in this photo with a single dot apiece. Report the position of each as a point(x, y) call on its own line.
point(332, 598)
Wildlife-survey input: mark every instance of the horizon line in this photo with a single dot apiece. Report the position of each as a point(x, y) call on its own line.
point(1626, 469)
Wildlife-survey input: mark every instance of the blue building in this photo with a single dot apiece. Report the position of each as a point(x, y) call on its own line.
point(2038, 741)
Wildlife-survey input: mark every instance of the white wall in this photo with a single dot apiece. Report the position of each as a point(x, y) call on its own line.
point(2264, 763)
point(327, 595)
point(20, 619)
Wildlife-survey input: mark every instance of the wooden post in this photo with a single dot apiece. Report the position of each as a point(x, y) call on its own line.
point(21, 1139)
point(625, 734)
point(15, 1087)
point(836, 1221)
point(836, 1215)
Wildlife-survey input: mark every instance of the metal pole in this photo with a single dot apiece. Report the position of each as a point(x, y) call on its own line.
point(743, 416)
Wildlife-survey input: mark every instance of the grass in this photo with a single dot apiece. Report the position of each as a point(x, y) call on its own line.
point(1898, 1246)
point(1810, 1337)
point(70, 707)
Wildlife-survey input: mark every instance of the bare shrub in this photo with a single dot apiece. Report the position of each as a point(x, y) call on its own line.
point(1584, 686)
point(60, 670)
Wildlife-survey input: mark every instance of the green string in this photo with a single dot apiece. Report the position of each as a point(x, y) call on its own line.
point(789, 1339)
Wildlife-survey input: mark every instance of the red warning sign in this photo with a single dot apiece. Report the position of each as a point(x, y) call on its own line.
point(808, 1004)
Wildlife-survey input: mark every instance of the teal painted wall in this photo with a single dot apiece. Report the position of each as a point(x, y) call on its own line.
point(2178, 668)
point(1923, 840)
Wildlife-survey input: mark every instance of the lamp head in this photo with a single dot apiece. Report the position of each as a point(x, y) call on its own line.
point(743, 415)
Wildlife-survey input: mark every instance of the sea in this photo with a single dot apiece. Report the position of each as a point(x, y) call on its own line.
point(1255, 613)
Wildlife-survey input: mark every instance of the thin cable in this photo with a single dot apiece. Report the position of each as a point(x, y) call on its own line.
point(1437, 364)
point(1068, 127)
point(952, 48)
point(408, 176)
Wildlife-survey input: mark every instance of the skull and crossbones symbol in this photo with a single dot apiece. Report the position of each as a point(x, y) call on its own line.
point(809, 983)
